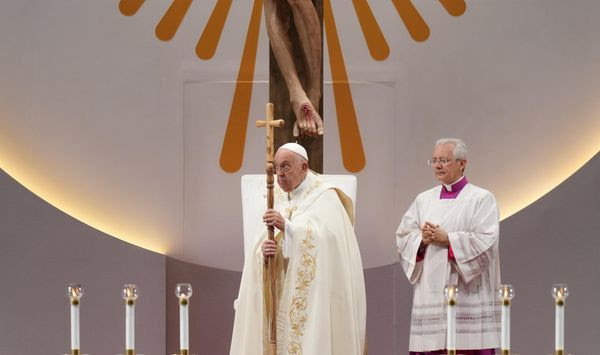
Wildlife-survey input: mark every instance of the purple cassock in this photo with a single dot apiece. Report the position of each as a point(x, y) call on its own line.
point(449, 194)
point(452, 193)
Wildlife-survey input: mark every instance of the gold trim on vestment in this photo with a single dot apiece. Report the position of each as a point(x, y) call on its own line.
point(305, 273)
point(290, 211)
point(347, 203)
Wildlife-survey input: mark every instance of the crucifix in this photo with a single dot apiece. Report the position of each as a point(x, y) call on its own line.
point(295, 88)
point(271, 287)
point(296, 72)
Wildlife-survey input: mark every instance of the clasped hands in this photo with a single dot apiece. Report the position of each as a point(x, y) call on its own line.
point(275, 219)
point(433, 234)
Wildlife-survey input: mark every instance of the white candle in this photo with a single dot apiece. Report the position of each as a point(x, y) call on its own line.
point(183, 292)
point(451, 292)
point(505, 343)
point(130, 294)
point(184, 331)
point(559, 329)
point(75, 324)
point(451, 334)
point(74, 293)
point(506, 294)
point(560, 292)
point(130, 325)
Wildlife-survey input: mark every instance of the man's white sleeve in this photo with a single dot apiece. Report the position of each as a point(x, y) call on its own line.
point(288, 240)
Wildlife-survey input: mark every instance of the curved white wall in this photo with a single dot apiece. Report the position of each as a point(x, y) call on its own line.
point(124, 131)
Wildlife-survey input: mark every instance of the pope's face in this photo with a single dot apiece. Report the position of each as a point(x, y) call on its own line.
point(452, 170)
point(290, 169)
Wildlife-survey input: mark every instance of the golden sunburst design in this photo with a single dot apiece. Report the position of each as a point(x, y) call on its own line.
point(232, 151)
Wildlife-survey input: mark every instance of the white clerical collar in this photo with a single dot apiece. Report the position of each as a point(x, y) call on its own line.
point(301, 188)
point(449, 187)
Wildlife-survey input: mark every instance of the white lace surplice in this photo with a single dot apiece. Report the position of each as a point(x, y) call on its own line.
point(471, 221)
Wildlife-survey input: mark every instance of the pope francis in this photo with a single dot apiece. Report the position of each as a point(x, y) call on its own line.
point(322, 307)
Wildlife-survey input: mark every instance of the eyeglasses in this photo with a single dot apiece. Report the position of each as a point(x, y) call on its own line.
point(284, 168)
point(443, 161)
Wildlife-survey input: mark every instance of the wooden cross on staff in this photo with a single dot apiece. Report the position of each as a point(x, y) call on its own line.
point(271, 287)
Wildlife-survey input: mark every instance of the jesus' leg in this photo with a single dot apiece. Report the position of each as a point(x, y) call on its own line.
point(309, 30)
point(308, 120)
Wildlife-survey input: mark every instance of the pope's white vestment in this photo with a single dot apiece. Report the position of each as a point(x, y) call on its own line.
point(322, 305)
point(471, 221)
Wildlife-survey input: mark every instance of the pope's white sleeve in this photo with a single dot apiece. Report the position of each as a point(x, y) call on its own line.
point(287, 239)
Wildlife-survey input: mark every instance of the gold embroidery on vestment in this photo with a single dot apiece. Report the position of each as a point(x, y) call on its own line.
point(290, 211)
point(305, 273)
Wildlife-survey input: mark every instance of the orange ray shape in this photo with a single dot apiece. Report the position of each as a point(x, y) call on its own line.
point(376, 42)
point(130, 7)
point(168, 25)
point(207, 44)
point(454, 7)
point(416, 26)
point(353, 154)
point(232, 152)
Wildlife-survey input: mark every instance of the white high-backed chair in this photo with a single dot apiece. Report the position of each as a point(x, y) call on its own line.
point(254, 201)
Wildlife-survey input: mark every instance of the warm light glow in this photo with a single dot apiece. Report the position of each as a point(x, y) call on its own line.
point(15, 162)
point(74, 291)
point(451, 291)
point(130, 292)
point(37, 184)
point(183, 290)
point(554, 176)
point(506, 292)
point(560, 291)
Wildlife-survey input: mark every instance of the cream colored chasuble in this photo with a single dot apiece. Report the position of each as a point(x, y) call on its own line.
point(322, 307)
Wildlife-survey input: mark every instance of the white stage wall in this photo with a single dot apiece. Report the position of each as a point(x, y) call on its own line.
point(123, 131)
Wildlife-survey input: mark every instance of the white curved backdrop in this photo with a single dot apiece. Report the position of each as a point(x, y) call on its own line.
point(124, 131)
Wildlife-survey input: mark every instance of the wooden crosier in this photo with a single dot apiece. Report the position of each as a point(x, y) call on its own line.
point(271, 288)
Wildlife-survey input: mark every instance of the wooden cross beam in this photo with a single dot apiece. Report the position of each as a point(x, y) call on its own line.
point(269, 123)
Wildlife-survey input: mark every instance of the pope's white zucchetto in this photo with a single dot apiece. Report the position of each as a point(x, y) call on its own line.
point(296, 148)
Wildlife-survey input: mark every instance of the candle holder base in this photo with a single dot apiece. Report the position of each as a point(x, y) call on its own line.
point(451, 352)
point(75, 352)
point(505, 352)
point(559, 352)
